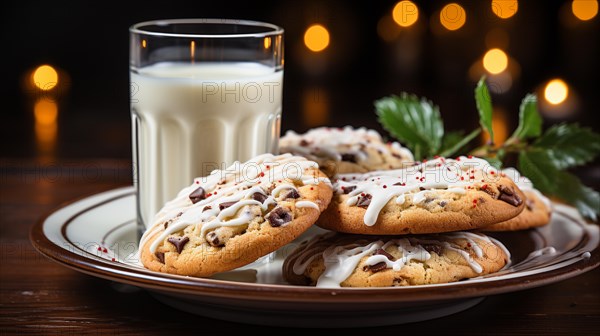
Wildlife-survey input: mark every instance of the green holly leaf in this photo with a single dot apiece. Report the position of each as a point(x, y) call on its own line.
point(572, 191)
point(569, 145)
point(530, 121)
point(537, 165)
point(483, 101)
point(453, 142)
point(414, 122)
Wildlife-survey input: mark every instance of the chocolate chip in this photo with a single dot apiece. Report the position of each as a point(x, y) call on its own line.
point(226, 205)
point(160, 256)
point(208, 207)
point(278, 217)
point(304, 143)
point(402, 184)
point(364, 201)
point(433, 248)
point(380, 266)
point(509, 196)
point(167, 224)
point(348, 190)
point(213, 239)
point(178, 242)
point(292, 194)
point(259, 197)
point(421, 188)
point(197, 195)
point(398, 156)
point(349, 157)
point(443, 203)
point(384, 253)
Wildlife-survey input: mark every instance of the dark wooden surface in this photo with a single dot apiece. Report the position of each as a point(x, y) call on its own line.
point(41, 297)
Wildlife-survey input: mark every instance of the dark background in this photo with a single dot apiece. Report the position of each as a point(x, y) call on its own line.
point(88, 43)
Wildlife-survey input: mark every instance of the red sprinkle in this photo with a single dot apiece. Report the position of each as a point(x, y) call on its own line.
point(362, 194)
point(105, 250)
point(425, 161)
point(484, 187)
point(384, 186)
point(492, 172)
point(436, 156)
point(458, 159)
point(215, 193)
point(470, 156)
point(99, 248)
point(261, 174)
point(113, 259)
point(311, 188)
point(197, 182)
point(462, 178)
point(268, 167)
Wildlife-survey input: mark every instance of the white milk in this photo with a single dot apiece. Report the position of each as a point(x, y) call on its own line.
point(191, 119)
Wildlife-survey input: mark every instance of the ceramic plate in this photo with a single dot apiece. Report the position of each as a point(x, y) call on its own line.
point(97, 235)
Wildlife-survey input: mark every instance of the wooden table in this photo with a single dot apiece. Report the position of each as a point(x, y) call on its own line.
point(40, 296)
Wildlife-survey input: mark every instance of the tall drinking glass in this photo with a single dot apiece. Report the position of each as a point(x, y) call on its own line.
point(204, 93)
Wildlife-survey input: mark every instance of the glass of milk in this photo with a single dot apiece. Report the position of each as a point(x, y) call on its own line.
point(204, 93)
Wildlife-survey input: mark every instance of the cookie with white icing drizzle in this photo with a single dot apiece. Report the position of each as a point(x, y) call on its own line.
point(439, 195)
point(338, 260)
point(346, 150)
point(538, 208)
point(234, 216)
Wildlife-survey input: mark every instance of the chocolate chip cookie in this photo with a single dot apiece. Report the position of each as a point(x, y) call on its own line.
point(233, 217)
point(538, 208)
point(338, 260)
point(440, 195)
point(345, 150)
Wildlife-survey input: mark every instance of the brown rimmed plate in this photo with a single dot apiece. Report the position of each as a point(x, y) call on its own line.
point(97, 236)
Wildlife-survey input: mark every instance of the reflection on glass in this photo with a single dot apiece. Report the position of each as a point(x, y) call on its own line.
point(45, 112)
point(315, 107)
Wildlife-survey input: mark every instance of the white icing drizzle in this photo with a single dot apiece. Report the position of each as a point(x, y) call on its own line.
point(342, 259)
point(326, 141)
point(415, 182)
point(548, 250)
point(236, 184)
point(525, 184)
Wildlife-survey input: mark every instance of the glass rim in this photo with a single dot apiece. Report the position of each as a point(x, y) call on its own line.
point(138, 28)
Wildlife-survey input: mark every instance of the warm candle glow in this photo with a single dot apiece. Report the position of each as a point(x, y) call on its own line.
point(267, 42)
point(495, 61)
point(143, 43)
point(556, 91)
point(316, 38)
point(505, 9)
point(405, 13)
point(585, 10)
point(45, 113)
point(453, 16)
point(45, 77)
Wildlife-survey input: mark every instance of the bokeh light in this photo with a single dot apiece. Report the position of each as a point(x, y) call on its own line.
point(405, 13)
point(267, 42)
point(505, 9)
point(453, 16)
point(495, 61)
point(556, 91)
point(585, 10)
point(45, 113)
point(45, 77)
point(316, 38)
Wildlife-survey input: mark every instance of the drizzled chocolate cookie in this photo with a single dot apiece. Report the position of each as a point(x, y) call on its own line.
point(233, 217)
point(337, 260)
point(346, 150)
point(538, 207)
point(440, 195)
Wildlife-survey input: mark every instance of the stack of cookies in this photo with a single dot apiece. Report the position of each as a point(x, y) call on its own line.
point(392, 221)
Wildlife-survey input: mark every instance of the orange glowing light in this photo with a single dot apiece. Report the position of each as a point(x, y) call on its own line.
point(556, 91)
point(45, 112)
point(316, 38)
point(143, 43)
point(453, 16)
point(45, 77)
point(315, 107)
point(495, 61)
point(585, 10)
point(505, 9)
point(405, 13)
point(267, 42)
